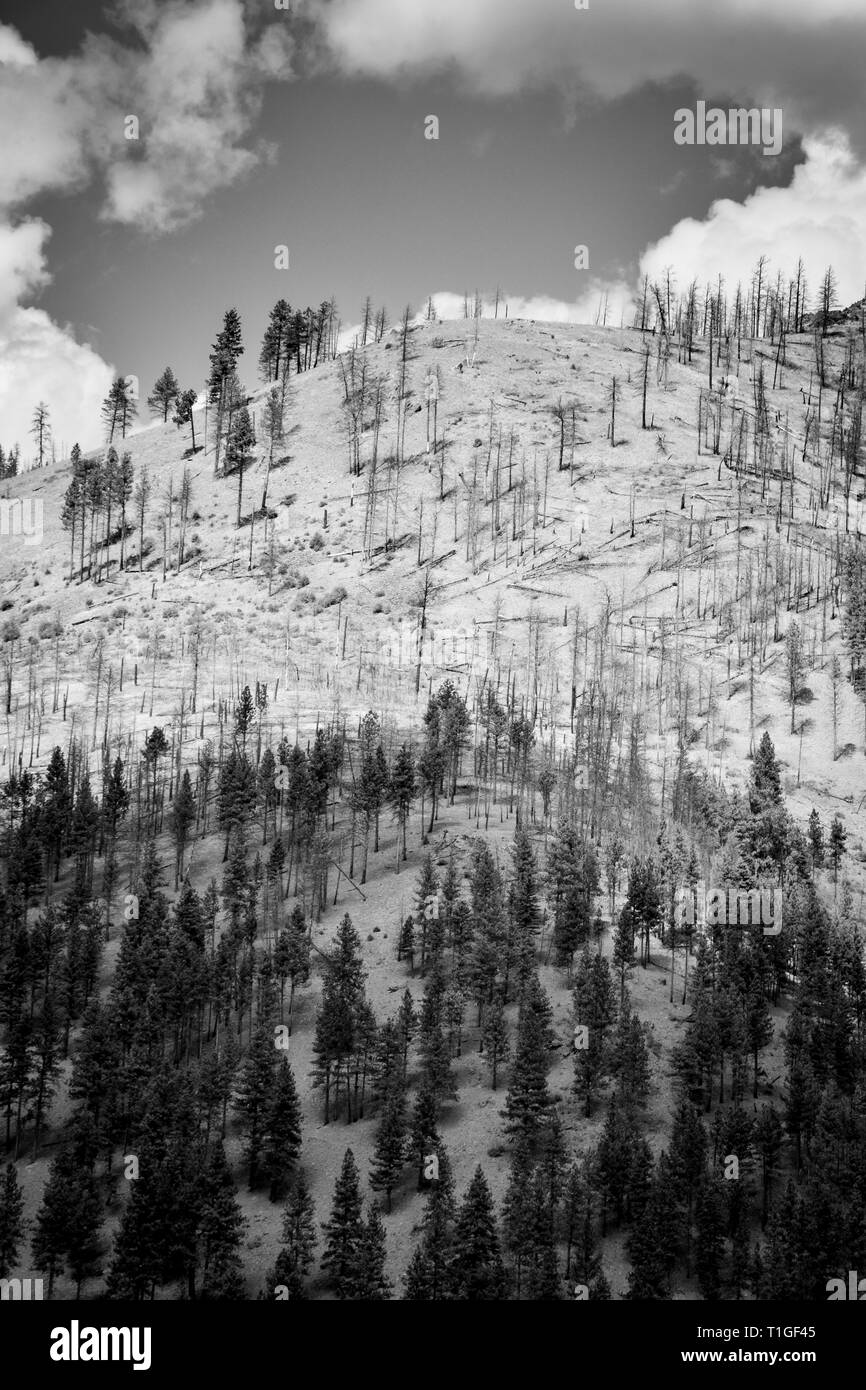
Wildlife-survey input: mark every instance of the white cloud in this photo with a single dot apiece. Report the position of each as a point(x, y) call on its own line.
point(197, 94)
point(820, 216)
point(543, 308)
point(192, 74)
point(39, 359)
point(808, 53)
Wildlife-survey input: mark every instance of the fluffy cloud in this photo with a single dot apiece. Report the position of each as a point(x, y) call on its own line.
point(197, 94)
point(820, 216)
point(544, 308)
point(39, 359)
point(798, 53)
point(191, 73)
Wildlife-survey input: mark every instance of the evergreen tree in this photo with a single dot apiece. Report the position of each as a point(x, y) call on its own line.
point(710, 1237)
point(344, 1231)
point(389, 1154)
point(594, 1013)
point(184, 412)
point(255, 1097)
point(164, 395)
point(119, 409)
point(428, 1276)
point(523, 913)
point(11, 1221)
point(184, 812)
point(281, 1142)
point(765, 789)
point(528, 1098)
point(578, 1226)
point(836, 851)
point(401, 793)
point(652, 1241)
point(624, 948)
point(370, 1282)
point(477, 1271)
point(66, 1232)
point(221, 1230)
point(494, 1039)
point(424, 1136)
point(629, 1062)
point(488, 925)
point(543, 1281)
point(406, 942)
point(816, 839)
point(518, 1214)
point(644, 901)
point(295, 1258)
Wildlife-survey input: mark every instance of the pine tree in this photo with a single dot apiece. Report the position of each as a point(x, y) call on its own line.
point(765, 788)
point(11, 1220)
point(688, 1158)
point(528, 1098)
point(255, 1096)
point(816, 839)
point(652, 1242)
point(406, 942)
point(423, 1135)
point(594, 1014)
point(578, 1224)
point(401, 794)
point(572, 873)
point(630, 1064)
point(164, 395)
point(477, 1271)
point(221, 1230)
point(710, 1237)
point(184, 412)
point(428, 1276)
point(494, 1039)
point(518, 1217)
point(623, 948)
point(281, 1141)
point(768, 1145)
point(119, 408)
point(295, 1258)
point(239, 449)
point(369, 1281)
point(390, 1151)
point(344, 1231)
point(523, 912)
point(67, 1225)
point(488, 924)
point(795, 665)
point(437, 1073)
point(644, 902)
point(621, 1160)
point(543, 1281)
point(184, 812)
point(836, 851)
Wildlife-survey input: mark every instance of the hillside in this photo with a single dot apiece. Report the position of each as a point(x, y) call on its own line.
point(628, 596)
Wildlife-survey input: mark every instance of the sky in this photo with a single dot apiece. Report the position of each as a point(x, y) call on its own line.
point(261, 126)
